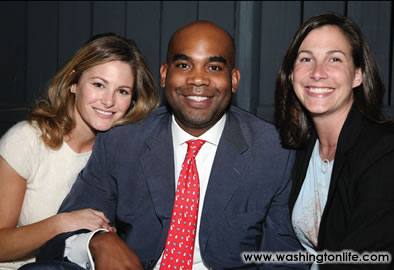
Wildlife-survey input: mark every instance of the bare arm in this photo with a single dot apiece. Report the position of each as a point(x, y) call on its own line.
point(18, 242)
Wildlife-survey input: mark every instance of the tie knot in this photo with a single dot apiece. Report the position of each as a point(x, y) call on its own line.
point(193, 146)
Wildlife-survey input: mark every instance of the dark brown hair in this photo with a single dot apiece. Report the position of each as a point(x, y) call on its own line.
point(292, 119)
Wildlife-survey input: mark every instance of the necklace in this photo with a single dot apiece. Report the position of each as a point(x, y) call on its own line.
point(325, 163)
point(324, 166)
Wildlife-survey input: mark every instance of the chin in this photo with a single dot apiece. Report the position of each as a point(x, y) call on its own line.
point(317, 108)
point(318, 112)
point(102, 127)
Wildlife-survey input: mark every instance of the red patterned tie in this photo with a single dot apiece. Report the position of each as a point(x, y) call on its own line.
point(179, 248)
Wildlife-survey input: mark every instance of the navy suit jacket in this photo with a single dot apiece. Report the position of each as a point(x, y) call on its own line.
point(130, 177)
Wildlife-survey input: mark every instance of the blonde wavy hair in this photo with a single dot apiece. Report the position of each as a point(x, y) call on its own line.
point(54, 113)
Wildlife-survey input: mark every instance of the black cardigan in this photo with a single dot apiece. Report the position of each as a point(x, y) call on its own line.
point(359, 213)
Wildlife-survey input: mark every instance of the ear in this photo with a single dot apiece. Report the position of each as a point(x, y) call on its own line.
point(163, 75)
point(358, 78)
point(235, 77)
point(73, 88)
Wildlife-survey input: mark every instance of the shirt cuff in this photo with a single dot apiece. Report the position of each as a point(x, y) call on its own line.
point(77, 249)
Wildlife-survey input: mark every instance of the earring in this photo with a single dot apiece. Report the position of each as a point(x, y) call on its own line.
point(72, 88)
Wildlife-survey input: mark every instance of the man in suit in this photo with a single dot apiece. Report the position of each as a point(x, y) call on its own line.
point(244, 174)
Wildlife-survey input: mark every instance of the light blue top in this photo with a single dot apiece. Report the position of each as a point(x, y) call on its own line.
point(311, 201)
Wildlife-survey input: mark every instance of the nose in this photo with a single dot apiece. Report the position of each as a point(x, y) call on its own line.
point(107, 99)
point(198, 77)
point(318, 72)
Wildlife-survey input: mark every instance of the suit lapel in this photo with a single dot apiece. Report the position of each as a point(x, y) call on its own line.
point(227, 172)
point(158, 164)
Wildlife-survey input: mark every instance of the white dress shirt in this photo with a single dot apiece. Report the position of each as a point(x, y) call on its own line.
point(77, 246)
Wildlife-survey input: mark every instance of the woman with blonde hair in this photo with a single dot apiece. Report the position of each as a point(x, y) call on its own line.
point(106, 83)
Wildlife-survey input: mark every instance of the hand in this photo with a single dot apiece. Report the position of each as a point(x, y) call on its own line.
point(83, 219)
point(110, 252)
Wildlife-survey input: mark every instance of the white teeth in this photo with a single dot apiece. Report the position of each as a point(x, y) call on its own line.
point(103, 112)
point(197, 98)
point(320, 90)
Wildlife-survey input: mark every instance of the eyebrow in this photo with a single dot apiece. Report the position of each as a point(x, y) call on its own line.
point(97, 77)
point(107, 82)
point(336, 51)
point(217, 59)
point(181, 56)
point(329, 52)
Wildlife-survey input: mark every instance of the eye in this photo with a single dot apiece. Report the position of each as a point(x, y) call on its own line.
point(98, 85)
point(182, 65)
point(123, 92)
point(335, 59)
point(305, 59)
point(215, 68)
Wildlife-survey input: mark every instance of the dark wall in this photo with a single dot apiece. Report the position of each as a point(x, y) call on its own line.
point(38, 37)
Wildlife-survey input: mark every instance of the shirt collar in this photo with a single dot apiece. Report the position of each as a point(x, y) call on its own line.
point(211, 136)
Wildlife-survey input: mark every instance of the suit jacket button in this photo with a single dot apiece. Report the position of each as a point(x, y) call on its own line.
point(88, 265)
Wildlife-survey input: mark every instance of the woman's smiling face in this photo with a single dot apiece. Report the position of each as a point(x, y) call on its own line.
point(103, 95)
point(324, 74)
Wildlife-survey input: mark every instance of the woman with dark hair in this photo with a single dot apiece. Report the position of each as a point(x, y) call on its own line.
point(106, 83)
point(329, 107)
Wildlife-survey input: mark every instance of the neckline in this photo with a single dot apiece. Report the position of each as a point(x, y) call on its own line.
point(69, 149)
point(325, 166)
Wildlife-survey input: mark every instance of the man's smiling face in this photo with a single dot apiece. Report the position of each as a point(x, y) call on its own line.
point(199, 77)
